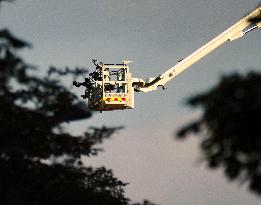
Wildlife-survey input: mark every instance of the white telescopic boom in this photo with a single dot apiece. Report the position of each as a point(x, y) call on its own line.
point(236, 31)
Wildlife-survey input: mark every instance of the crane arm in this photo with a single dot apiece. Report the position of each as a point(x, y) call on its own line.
point(238, 30)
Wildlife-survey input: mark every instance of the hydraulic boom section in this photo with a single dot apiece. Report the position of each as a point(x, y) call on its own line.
point(236, 31)
point(111, 86)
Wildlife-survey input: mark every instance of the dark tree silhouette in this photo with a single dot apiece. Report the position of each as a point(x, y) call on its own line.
point(40, 162)
point(230, 127)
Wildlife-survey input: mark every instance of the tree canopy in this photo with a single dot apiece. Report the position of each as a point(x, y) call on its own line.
point(229, 127)
point(40, 162)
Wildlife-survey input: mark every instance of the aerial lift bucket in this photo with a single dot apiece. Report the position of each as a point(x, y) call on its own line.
point(110, 88)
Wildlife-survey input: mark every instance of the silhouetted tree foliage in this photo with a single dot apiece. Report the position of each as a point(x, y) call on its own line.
point(40, 162)
point(230, 127)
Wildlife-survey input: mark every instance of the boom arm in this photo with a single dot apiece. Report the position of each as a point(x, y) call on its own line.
point(239, 29)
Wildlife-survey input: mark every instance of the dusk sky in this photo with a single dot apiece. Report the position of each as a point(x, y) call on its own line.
point(154, 34)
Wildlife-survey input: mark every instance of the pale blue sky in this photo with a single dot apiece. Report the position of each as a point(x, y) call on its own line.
point(155, 34)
